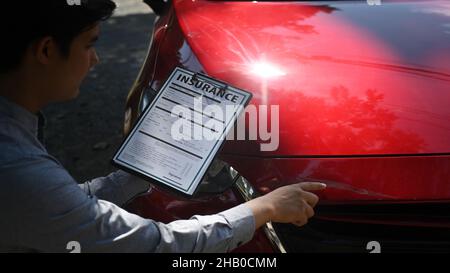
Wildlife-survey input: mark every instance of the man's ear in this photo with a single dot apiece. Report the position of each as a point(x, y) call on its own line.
point(45, 49)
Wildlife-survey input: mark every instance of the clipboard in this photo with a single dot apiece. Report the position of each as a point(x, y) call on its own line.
point(165, 147)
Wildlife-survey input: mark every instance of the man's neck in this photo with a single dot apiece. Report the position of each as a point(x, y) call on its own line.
point(18, 89)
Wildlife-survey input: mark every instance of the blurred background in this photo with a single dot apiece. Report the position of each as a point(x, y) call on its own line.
point(83, 134)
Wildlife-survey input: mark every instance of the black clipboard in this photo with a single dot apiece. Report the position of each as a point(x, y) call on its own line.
point(221, 88)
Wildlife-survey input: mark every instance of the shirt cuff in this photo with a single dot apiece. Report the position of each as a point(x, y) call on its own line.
point(242, 221)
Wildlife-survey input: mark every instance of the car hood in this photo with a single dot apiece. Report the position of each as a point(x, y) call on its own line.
point(348, 78)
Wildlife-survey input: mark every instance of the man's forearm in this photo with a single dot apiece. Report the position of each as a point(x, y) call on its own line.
point(262, 211)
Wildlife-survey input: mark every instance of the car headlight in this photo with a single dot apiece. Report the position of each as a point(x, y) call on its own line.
point(219, 178)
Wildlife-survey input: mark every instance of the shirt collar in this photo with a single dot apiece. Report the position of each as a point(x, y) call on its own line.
point(27, 119)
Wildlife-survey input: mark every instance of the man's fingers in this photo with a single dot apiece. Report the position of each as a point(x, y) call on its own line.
point(312, 186)
point(300, 224)
point(310, 198)
point(309, 212)
point(301, 221)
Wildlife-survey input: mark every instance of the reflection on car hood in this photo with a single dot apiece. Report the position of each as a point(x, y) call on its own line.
point(349, 78)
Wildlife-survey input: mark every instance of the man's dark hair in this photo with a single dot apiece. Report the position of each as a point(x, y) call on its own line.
point(24, 21)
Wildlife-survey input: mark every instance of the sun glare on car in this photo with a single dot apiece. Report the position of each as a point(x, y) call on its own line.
point(266, 70)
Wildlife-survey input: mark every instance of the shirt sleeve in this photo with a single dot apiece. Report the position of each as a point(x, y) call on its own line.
point(214, 233)
point(50, 210)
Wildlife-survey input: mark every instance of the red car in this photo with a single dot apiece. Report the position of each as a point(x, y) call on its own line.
point(363, 89)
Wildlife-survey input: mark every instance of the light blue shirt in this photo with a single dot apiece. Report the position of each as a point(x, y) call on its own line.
point(42, 208)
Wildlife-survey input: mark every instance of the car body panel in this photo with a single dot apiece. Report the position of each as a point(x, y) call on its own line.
point(363, 94)
point(353, 179)
point(389, 142)
point(345, 82)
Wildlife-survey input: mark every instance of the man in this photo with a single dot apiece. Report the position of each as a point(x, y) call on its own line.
point(46, 52)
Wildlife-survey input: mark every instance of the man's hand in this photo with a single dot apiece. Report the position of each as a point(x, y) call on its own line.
point(289, 204)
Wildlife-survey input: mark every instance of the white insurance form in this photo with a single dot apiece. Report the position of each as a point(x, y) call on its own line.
point(178, 135)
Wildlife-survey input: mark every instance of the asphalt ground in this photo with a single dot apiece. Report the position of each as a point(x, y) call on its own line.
point(83, 134)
